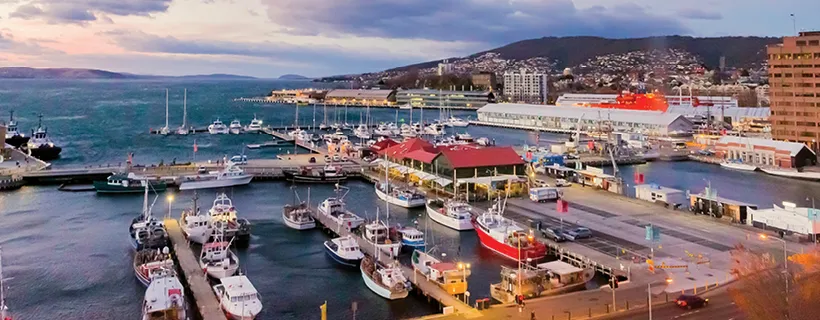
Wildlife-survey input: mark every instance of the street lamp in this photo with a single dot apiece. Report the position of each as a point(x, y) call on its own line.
point(785, 268)
point(170, 199)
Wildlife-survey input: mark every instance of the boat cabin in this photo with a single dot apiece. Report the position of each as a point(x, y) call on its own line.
point(376, 232)
point(237, 290)
point(412, 235)
point(215, 251)
point(450, 276)
point(565, 273)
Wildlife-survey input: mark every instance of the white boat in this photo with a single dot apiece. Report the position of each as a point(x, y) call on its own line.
point(546, 279)
point(184, 129)
point(453, 214)
point(435, 129)
point(238, 298)
point(335, 209)
point(393, 129)
point(457, 122)
point(300, 134)
point(464, 137)
point(230, 176)
point(407, 131)
point(298, 216)
point(483, 141)
point(344, 250)
point(223, 216)
point(738, 166)
point(791, 173)
point(217, 127)
point(146, 231)
point(400, 197)
point(382, 237)
point(235, 127)
point(406, 107)
point(346, 126)
point(337, 126)
point(255, 126)
point(382, 130)
point(13, 136)
point(411, 237)
point(449, 276)
point(217, 259)
point(165, 130)
point(164, 298)
point(362, 132)
point(323, 126)
point(149, 262)
point(195, 226)
point(387, 281)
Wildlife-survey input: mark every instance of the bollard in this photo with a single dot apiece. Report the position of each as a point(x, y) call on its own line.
point(569, 315)
point(696, 289)
point(590, 312)
point(607, 308)
point(667, 297)
point(627, 305)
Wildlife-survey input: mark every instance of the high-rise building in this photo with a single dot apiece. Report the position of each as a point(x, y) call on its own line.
point(445, 68)
point(794, 79)
point(525, 87)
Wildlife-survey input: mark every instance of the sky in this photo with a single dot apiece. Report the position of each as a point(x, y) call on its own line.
point(268, 38)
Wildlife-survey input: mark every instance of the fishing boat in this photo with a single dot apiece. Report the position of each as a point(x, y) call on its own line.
point(505, 237)
point(344, 250)
point(452, 277)
point(165, 130)
point(217, 259)
point(235, 127)
point(149, 262)
point(238, 298)
point(230, 176)
point(255, 126)
point(451, 213)
point(298, 215)
point(224, 217)
point(40, 146)
point(327, 174)
point(456, 122)
point(164, 298)
point(551, 278)
point(147, 232)
point(737, 165)
point(401, 197)
point(335, 209)
point(127, 183)
point(411, 238)
point(387, 281)
point(792, 173)
point(195, 226)
point(382, 237)
point(217, 127)
point(13, 136)
point(184, 129)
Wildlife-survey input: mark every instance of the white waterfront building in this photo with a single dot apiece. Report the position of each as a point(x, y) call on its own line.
point(525, 86)
point(566, 119)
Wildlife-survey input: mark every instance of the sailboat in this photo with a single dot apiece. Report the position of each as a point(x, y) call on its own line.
point(3, 308)
point(183, 129)
point(324, 125)
point(165, 130)
point(146, 231)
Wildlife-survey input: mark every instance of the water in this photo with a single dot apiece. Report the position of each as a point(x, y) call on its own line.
point(67, 253)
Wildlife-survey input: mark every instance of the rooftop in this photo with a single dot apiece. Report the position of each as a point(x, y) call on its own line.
point(358, 94)
point(559, 267)
point(443, 92)
point(617, 115)
point(471, 157)
point(238, 286)
point(792, 147)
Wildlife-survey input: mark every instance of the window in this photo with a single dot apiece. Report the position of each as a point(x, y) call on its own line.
point(814, 42)
point(787, 75)
point(807, 134)
point(777, 75)
point(786, 85)
point(807, 75)
point(817, 55)
point(801, 43)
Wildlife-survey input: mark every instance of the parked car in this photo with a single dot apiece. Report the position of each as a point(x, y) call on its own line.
point(239, 159)
point(573, 156)
point(690, 301)
point(540, 183)
point(562, 183)
point(553, 234)
point(578, 233)
point(202, 170)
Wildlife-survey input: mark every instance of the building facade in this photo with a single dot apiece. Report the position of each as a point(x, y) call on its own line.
point(428, 98)
point(526, 87)
point(764, 152)
point(374, 97)
point(794, 79)
point(485, 80)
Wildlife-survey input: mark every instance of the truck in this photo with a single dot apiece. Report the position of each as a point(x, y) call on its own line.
point(545, 194)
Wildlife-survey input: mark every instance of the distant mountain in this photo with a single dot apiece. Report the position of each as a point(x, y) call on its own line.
point(572, 51)
point(293, 77)
point(71, 73)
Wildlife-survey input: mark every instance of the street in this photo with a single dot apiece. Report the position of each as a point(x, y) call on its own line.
point(720, 307)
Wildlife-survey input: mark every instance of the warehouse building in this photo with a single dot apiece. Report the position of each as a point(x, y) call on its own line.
point(361, 97)
point(765, 152)
point(429, 98)
point(566, 119)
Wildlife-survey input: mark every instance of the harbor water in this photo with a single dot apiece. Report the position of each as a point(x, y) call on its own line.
point(67, 254)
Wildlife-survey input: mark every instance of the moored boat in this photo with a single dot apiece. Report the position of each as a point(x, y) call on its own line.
point(736, 165)
point(386, 281)
point(230, 176)
point(217, 127)
point(217, 259)
point(195, 225)
point(235, 127)
point(127, 183)
point(146, 231)
point(401, 197)
point(40, 145)
point(255, 126)
point(505, 237)
point(335, 209)
point(149, 262)
point(551, 278)
point(411, 237)
point(792, 173)
point(457, 122)
point(382, 237)
point(298, 216)
point(184, 129)
point(13, 135)
point(238, 298)
point(164, 298)
point(344, 250)
point(327, 174)
point(224, 217)
point(452, 277)
point(453, 214)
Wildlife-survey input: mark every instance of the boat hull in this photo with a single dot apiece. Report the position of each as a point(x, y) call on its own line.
point(197, 235)
point(382, 291)
point(738, 166)
point(811, 176)
point(104, 187)
point(46, 153)
point(224, 183)
point(502, 295)
point(220, 272)
point(296, 225)
point(292, 176)
point(409, 203)
point(17, 140)
point(447, 221)
point(537, 252)
point(339, 259)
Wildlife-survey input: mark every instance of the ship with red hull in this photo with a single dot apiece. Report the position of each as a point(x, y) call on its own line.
point(635, 101)
point(506, 238)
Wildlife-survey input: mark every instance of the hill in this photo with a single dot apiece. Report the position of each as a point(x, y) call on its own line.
point(293, 77)
point(572, 51)
point(73, 73)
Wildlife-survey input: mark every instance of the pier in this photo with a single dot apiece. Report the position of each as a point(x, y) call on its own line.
point(192, 276)
point(420, 282)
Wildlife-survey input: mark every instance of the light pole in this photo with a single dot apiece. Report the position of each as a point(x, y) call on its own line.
point(170, 201)
point(649, 294)
point(785, 268)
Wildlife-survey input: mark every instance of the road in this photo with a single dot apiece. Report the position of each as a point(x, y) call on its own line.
point(720, 307)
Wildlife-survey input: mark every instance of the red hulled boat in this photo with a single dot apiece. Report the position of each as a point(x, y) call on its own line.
point(505, 237)
point(635, 101)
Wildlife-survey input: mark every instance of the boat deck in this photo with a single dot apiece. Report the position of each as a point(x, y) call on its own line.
point(420, 282)
point(192, 276)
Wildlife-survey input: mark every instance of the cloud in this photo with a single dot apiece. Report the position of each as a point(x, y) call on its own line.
point(490, 21)
point(698, 14)
point(10, 45)
point(83, 11)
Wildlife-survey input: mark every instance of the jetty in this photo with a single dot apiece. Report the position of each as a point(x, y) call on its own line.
point(193, 278)
point(429, 289)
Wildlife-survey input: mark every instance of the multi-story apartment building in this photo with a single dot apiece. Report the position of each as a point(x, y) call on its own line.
point(525, 87)
point(794, 79)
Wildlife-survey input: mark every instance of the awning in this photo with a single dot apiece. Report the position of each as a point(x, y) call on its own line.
point(443, 182)
point(489, 180)
point(422, 175)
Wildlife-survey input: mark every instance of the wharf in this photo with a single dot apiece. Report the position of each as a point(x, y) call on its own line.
point(192, 277)
point(331, 104)
point(604, 161)
point(420, 282)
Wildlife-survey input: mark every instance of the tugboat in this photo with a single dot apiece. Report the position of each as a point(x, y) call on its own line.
point(13, 136)
point(40, 146)
point(130, 183)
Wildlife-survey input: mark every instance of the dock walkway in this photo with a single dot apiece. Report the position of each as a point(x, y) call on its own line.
point(430, 289)
point(195, 280)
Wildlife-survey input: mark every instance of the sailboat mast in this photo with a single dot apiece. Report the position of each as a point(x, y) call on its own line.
point(145, 202)
point(387, 186)
point(185, 109)
point(2, 290)
point(166, 109)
